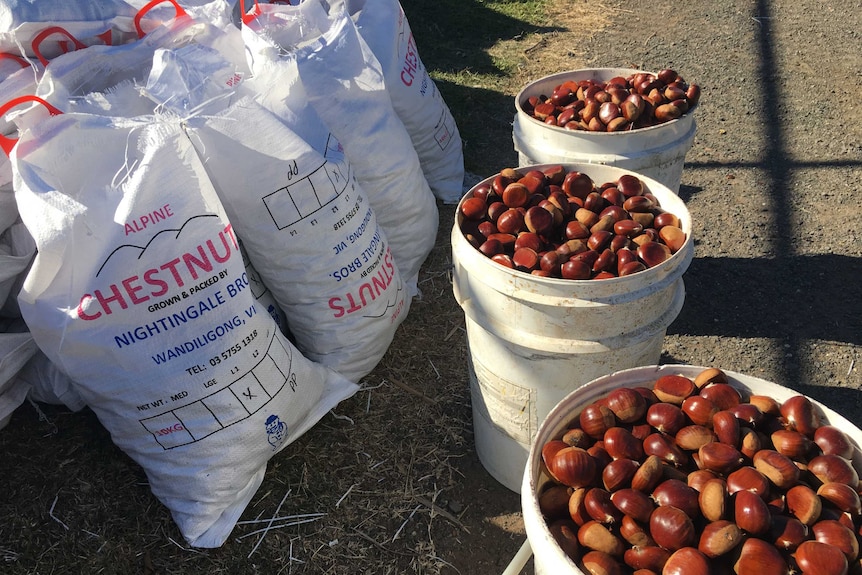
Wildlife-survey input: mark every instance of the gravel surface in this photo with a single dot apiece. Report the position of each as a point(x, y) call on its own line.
point(771, 184)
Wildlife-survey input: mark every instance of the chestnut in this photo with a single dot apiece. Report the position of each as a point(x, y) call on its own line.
point(719, 537)
point(649, 557)
point(672, 528)
point(600, 563)
point(833, 441)
point(673, 388)
point(687, 561)
point(750, 513)
point(800, 414)
point(596, 536)
point(564, 533)
point(667, 418)
point(834, 533)
point(841, 496)
point(572, 466)
point(817, 558)
point(758, 556)
point(831, 468)
point(627, 404)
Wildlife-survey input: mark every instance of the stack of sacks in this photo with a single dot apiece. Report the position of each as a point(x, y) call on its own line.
point(210, 221)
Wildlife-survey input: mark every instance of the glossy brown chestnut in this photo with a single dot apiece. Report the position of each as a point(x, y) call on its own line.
point(829, 468)
point(699, 409)
point(618, 474)
point(750, 513)
point(635, 533)
point(651, 558)
point(726, 427)
point(636, 504)
point(722, 395)
point(720, 457)
point(596, 418)
point(697, 479)
point(816, 558)
point(786, 533)
point(577, 509)
point(572, 466)
point(672, 528)
point(599, 506)
point(791, 443)
point(833, 441)
point(778, 468)
point(673, 388)
point(838, 535)
point(803, 503)
point(627, 404)
point(666, 417)
point(760, 558)
point(800, 414)
point(747, 478)
point(687, 561)
point(621, 444)
point(841, 496)
point(710, 375)
point(663, 447)
point(677, 493)
point(693, 437)
point(648, 475)
point(599, 563)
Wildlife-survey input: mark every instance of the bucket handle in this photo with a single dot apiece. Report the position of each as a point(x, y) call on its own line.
point(520, 559)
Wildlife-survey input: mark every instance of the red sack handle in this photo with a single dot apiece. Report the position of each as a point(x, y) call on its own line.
point(7, 56)
point(8, 143)
point(248, 17)
point(255, 12)
point(37, 40)
point(149, 6)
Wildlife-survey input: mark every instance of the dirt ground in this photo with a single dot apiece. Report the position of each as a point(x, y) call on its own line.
point(390, 482)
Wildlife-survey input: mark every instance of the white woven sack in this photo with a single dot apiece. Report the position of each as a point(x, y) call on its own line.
point(47, 384)
point(49, 36)
point(345, 85)
point(138, 293)
point(292, 197)
point(19, 79)
point(16, 349)
point(16, 12)
point(220, 13)
point(415, 97)
point(17, 250)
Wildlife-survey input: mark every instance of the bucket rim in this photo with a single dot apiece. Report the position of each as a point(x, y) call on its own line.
point(538, 533)
point(527, 91)
point(681, 259)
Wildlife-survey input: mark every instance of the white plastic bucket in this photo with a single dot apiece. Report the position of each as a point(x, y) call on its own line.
point(532, 339)
point(657, 151)
point(548, 558)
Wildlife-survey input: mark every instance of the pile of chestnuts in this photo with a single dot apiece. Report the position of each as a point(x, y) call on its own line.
point(559, 223)
point(693, 477)
point(621, 103)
